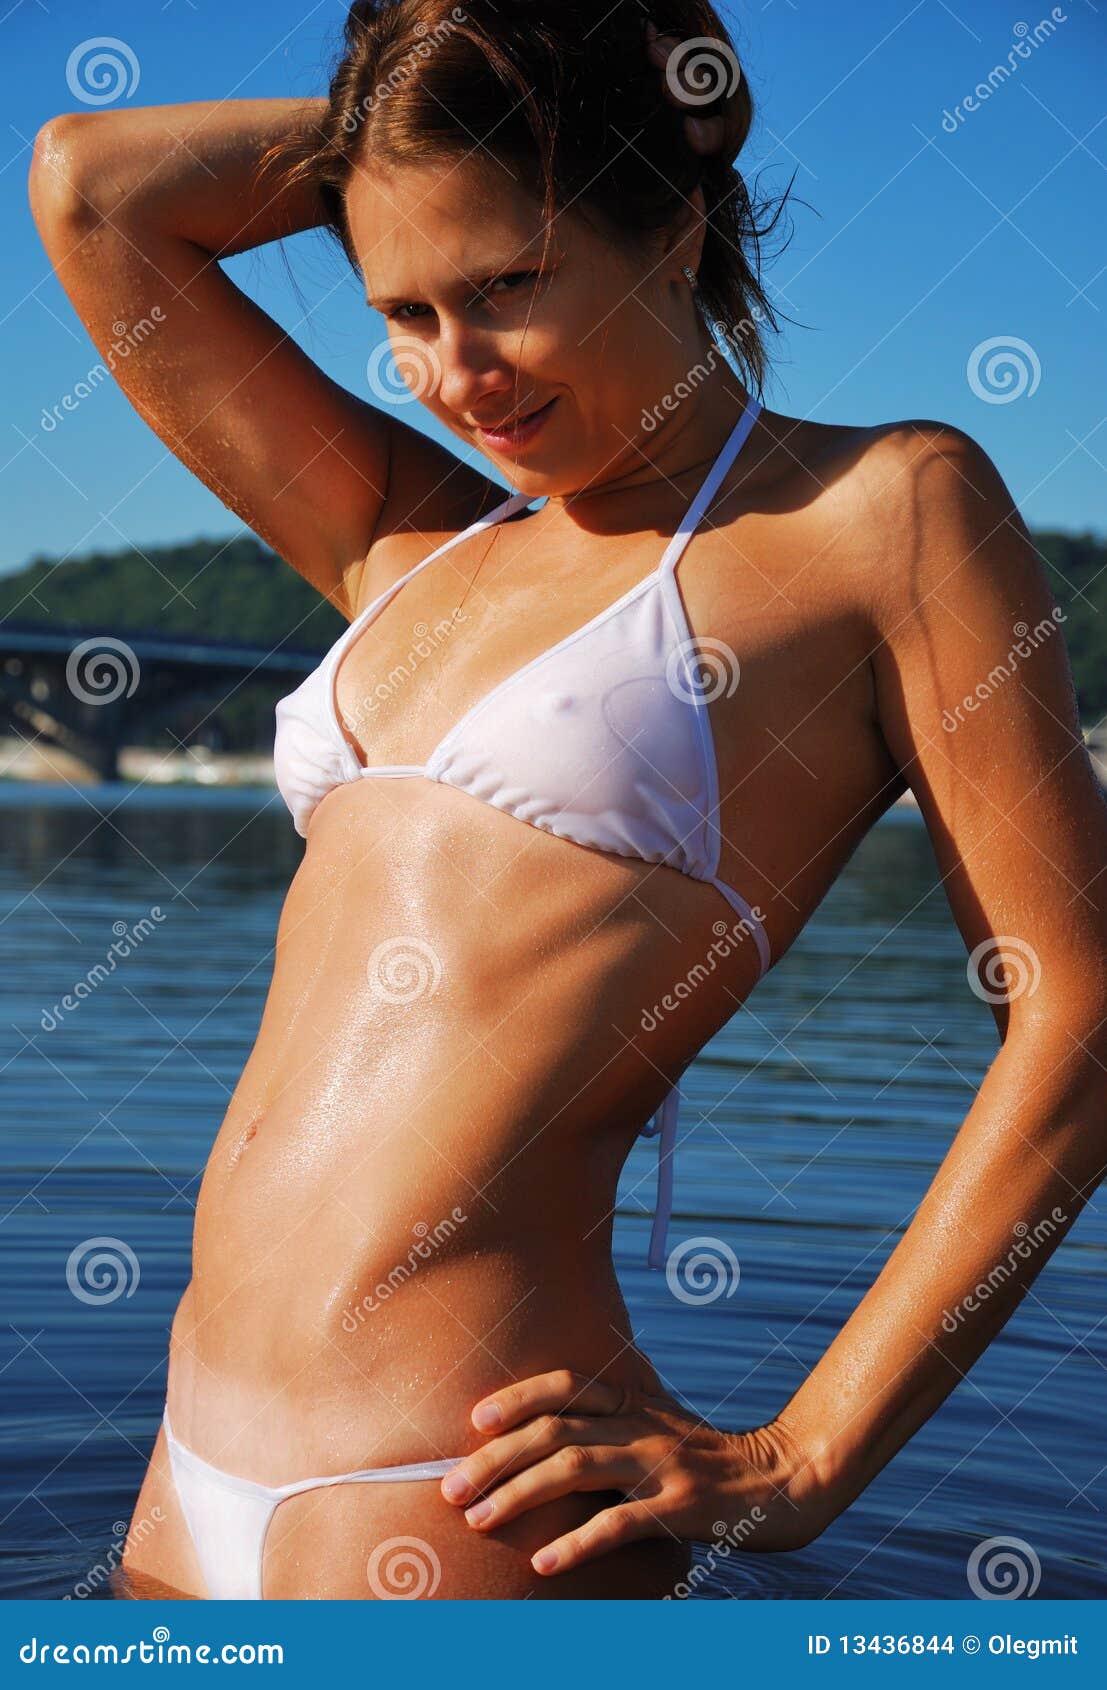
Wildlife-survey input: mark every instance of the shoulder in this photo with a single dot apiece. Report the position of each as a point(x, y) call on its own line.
point(432, 497)
point(935, 499)
point(961, 589)
point(906, 505)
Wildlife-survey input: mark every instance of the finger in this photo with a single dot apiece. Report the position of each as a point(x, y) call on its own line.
point(524, 1447)
point(546, 1393)
point(577, 1467)
point(611, 1528)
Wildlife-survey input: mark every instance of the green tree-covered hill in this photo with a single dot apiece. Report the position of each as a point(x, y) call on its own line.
point(240, 590)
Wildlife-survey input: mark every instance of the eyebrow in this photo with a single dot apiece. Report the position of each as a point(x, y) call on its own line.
point(524, 259)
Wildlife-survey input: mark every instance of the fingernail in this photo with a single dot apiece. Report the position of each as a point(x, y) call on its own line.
point(480, 1511)
point(545, 1561)
point(487, 1416)
point(456, 1486)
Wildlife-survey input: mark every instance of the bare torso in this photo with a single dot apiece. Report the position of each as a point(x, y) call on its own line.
point(409, 1201)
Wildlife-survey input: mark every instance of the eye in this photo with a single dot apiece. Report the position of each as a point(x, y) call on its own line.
point(513, 278)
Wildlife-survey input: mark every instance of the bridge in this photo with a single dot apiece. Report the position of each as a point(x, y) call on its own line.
point(86, 692)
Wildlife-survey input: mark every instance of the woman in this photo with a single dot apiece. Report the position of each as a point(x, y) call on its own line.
point(403, 1364)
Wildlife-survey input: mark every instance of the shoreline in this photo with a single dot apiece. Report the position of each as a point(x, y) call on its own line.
point(34, 763)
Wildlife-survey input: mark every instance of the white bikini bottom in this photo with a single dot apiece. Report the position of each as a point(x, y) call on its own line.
point(228, 1517)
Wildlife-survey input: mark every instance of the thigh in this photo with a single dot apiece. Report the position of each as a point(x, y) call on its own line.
point(159, 1550)
point(402, 1541)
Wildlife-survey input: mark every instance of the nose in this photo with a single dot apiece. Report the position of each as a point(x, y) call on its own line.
point(475, 370)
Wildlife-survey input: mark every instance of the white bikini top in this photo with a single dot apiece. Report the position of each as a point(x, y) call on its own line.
point(603, 739)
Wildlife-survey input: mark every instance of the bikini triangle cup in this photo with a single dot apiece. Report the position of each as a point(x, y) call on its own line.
point(603, 739)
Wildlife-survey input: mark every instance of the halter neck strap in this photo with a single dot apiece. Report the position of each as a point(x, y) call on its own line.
point(714, 480)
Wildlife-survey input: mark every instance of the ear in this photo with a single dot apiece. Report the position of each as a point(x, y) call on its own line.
point(683, 241)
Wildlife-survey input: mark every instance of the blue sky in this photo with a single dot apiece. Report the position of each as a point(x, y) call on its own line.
point(932, 231)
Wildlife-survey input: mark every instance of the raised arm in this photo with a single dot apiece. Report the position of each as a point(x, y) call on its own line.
point(135, 209)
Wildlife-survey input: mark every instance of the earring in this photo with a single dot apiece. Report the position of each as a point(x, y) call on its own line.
point(690, 276)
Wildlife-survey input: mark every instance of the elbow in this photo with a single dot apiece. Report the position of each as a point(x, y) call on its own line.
point(61, 184)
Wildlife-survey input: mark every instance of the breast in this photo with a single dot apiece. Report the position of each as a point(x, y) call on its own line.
point(309, 760)
point(593, 744)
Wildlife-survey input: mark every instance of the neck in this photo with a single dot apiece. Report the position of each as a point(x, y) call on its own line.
point(660, 466)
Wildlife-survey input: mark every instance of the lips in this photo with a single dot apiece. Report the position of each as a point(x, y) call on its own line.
point(510, 423)
point(519, 430)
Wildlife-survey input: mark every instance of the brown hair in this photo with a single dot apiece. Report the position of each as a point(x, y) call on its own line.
point(572, 102)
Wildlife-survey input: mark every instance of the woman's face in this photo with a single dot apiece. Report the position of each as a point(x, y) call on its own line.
point(452, 257)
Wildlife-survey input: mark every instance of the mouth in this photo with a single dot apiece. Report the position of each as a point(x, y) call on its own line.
point(517, 431)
